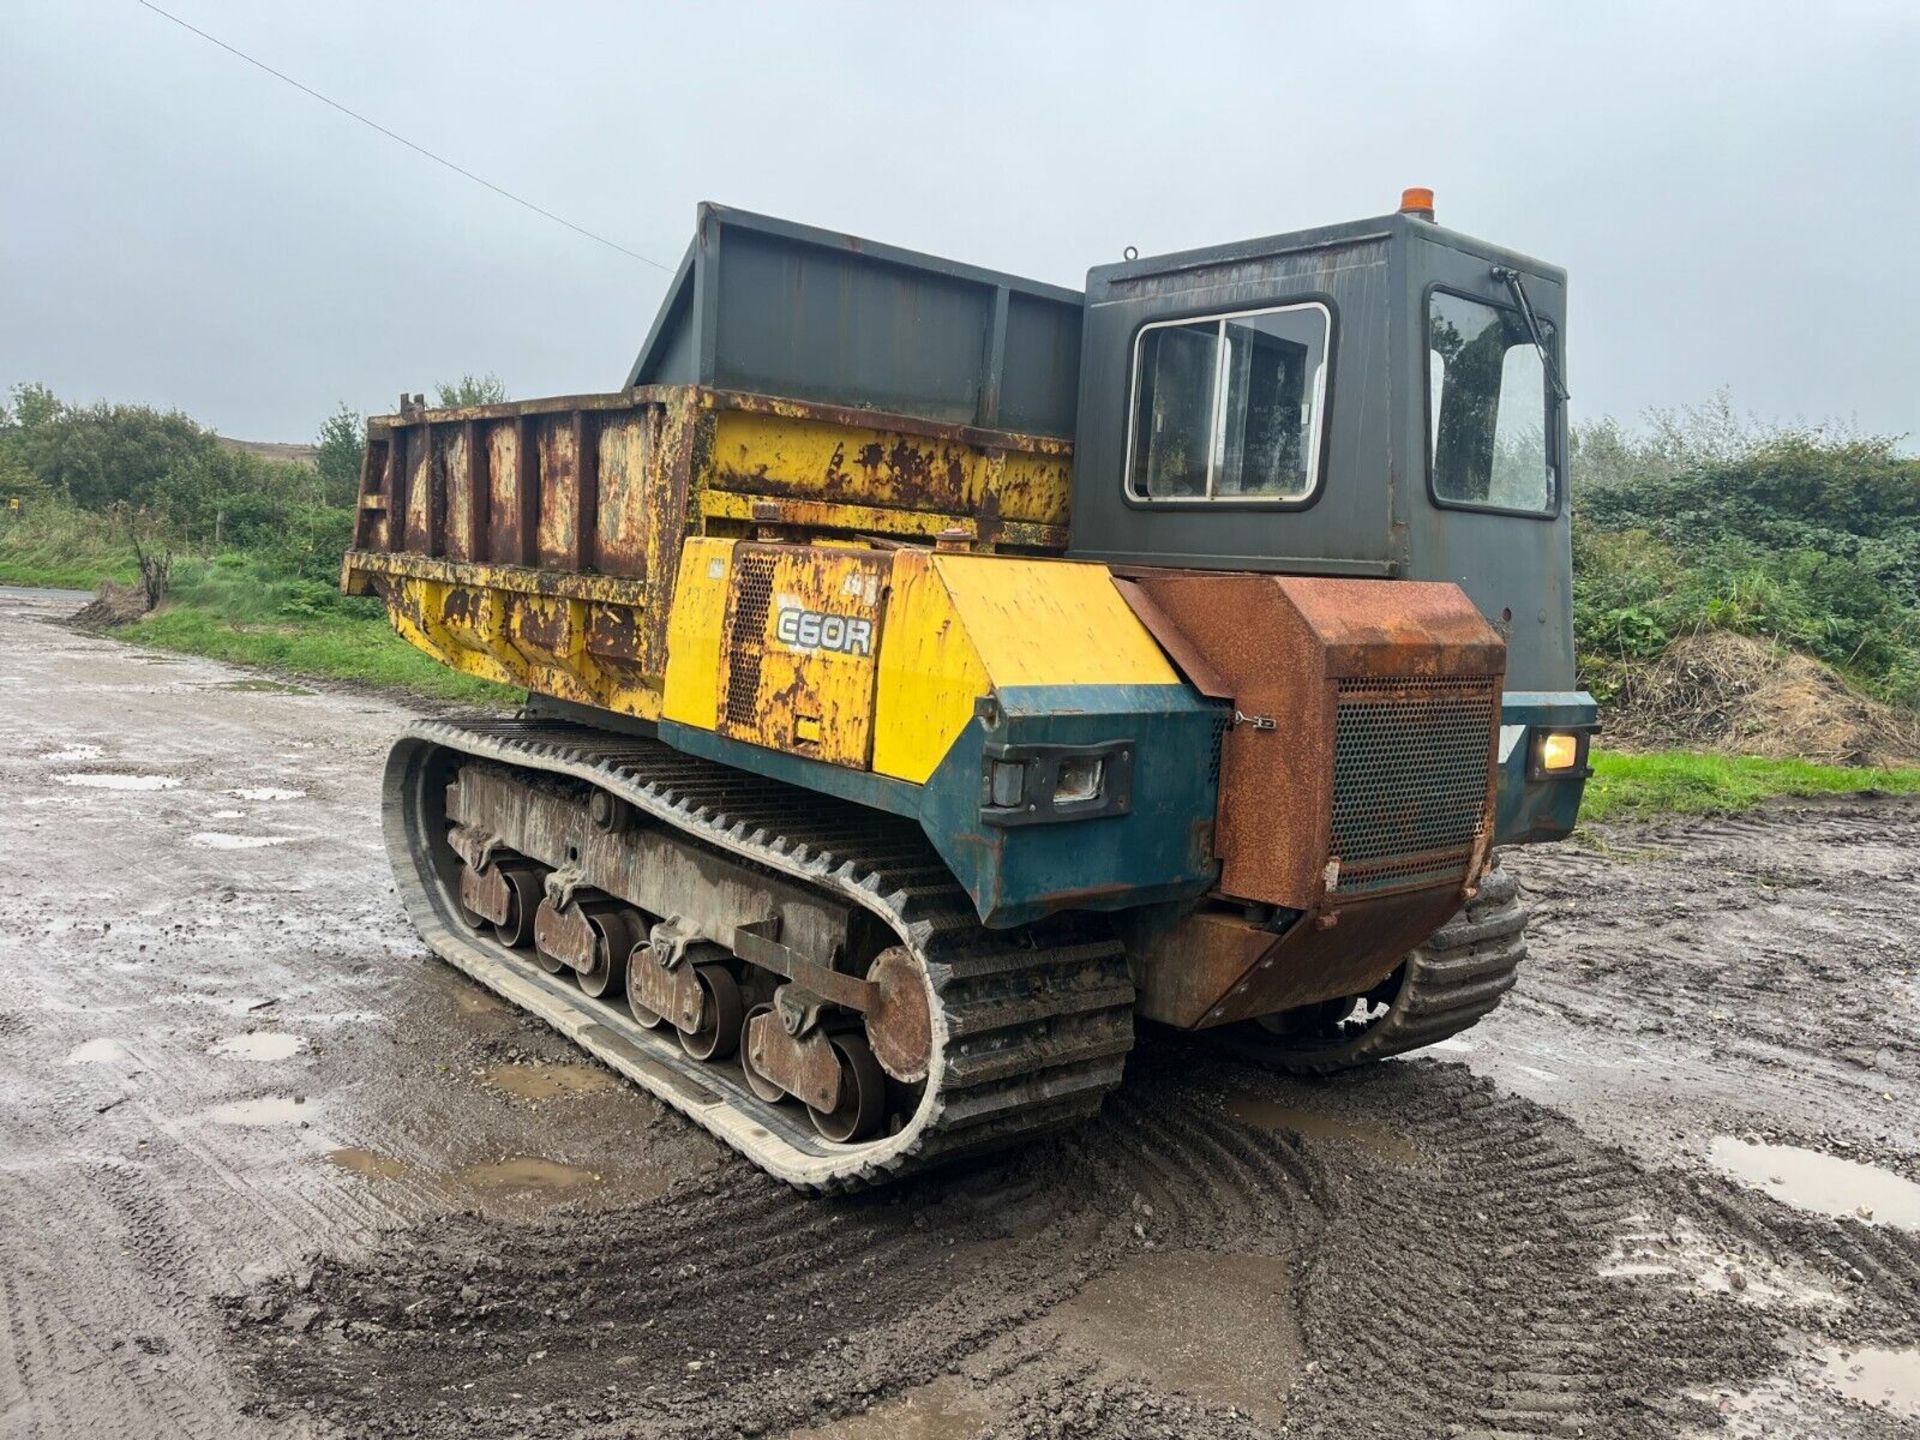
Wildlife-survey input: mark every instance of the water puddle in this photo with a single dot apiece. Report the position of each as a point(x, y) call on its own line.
point(267, 1110)
point(260, 1045)
point(1889, 1379)
point(219, 840)
point(1280, 1118)
point(120, 782)
point(98, 1052)
point(266, 792)
point(369, 1163)
point(1823, 1184)
point(943, 1409)
point(1219, 1328)
point(72, 755)
point(228, 815)
point(261, 687)
point(549, 1082)
point(526, 1175)
point(471, 1000)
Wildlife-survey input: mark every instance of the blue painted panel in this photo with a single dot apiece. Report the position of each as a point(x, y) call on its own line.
point(1161, 850)
point(1527, 812)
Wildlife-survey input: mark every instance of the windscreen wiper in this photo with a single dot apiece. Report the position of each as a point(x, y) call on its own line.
point(1519, 293)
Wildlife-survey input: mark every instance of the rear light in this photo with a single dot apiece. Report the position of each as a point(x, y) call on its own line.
point(1036, 784)
point(1079, 780)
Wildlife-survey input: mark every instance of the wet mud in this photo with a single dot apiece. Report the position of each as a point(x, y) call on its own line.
point(268, 1169)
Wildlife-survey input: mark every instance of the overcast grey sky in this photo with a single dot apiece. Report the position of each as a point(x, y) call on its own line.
point(1735, 188)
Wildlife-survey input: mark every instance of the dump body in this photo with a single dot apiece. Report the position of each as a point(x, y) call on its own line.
point(540, 542)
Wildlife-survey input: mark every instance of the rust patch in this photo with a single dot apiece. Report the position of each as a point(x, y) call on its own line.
point(1285, 649)
point(1214, 967)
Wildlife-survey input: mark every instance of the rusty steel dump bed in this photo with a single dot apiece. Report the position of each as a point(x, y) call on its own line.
point(535, 544)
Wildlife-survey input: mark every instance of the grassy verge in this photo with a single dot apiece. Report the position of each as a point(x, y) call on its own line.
point(360, 649)
point(1636, 787)
point(61, 549)
point(246, 608)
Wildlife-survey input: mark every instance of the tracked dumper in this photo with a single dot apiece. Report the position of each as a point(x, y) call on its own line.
point(933, 675)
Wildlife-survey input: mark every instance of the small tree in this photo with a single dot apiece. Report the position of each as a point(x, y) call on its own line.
point(342, 444)
point(33, 405)
point(488, 389)
point(147, 536)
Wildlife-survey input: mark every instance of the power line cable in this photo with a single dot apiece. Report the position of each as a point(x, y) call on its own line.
point(417, 149)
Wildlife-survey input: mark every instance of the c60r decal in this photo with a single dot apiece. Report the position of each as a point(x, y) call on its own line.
point(817, 630)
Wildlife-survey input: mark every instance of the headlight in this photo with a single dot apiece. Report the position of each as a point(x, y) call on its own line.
point(1559, 750)
point(1559, 754)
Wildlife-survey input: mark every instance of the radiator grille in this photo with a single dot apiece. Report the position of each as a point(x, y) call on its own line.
point(747, 636)
point(1410, 774)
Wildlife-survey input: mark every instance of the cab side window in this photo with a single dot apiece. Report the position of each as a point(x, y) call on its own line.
point(1229, 407)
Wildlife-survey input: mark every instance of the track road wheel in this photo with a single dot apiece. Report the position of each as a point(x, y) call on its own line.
point(761, 1086)
point(646, 1019)
point(476, 922)
point(524, 892)
point(1440, 989)
point(863, 1093)
point(613, 941)
point(720, 1016)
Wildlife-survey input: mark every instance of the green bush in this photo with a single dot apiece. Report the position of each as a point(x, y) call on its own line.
point(1801, 537)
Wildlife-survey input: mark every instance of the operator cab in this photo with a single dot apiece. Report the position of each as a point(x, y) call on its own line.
point(1383, 398)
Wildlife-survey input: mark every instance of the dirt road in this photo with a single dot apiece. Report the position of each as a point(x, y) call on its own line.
point(266, 1169)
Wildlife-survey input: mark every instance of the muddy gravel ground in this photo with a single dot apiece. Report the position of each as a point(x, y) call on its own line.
point(268, 1169)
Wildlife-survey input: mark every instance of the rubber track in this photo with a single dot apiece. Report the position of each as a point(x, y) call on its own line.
point(1031, 1026)
point(1458, 976)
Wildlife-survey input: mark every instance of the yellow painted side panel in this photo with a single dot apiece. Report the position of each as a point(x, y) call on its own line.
point(827, 517)
point(786, 451)
point(803, 642)
point(930, 672)
point(535, 642)
point(695, 633)
point(1050, 622)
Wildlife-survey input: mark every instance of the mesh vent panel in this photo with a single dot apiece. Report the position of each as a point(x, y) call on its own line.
point(748, 634)
point(1222, 718)
point(1409, 780)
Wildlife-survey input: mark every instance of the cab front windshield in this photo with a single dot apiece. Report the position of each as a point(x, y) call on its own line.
point(1489, 408)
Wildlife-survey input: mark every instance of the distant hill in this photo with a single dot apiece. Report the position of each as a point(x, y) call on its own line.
point(272, 450)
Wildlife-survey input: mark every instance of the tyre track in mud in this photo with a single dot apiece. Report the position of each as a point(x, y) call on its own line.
point(1463, 1289)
